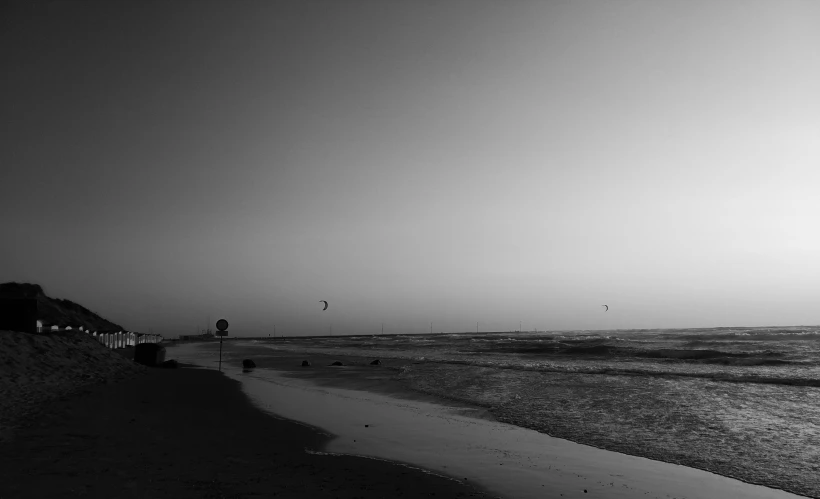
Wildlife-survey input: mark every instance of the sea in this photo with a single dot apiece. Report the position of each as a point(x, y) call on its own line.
point(738, 401)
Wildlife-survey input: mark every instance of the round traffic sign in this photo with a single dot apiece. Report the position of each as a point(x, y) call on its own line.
point(222, 324)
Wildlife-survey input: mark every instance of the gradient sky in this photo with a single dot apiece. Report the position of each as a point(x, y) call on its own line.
point(452, 161)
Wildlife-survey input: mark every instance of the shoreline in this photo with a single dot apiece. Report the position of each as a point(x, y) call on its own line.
point(337, 382)
point(190, 432)
point(685, 421)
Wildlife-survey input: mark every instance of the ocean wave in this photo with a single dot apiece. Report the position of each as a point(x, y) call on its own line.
point(737, 369)
point(591, 350)
point(657, 373)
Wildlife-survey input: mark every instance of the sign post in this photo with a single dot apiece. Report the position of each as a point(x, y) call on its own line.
point(222, 325)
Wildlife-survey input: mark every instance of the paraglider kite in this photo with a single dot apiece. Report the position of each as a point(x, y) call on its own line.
point(323, 301)
point(607, 308)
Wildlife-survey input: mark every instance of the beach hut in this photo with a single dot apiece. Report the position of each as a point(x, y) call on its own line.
point(39, 326)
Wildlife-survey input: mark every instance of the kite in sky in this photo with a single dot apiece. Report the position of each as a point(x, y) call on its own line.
point(325, 302)
point(607, 308)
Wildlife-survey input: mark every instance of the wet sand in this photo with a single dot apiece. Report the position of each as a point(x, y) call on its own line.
point(190, 433)
point(460, 440)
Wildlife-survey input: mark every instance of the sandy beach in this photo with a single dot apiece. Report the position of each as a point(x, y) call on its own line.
point(286, 431)
point(188, 433)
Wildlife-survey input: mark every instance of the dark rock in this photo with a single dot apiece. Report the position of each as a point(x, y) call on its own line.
point(337, 363)
point(171, 364)
point(149, 354)
point(248, 364)
point(376, 362)
point(305, 363)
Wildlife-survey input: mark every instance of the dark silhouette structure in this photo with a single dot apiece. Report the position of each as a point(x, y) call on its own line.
point(149, 354)
point(18, 314)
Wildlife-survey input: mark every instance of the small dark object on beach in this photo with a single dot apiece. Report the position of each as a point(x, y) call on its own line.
point(171, 364)
point(149, 354)
point(337, 363)
point(305, 363)
point(585, 491)
point(366, 425)
point(376, 362)
point(248, 364)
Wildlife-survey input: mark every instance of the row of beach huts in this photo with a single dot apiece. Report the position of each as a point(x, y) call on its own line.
point(21, 314)
point(111, 339)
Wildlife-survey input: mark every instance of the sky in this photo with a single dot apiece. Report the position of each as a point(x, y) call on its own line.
point(421, 165)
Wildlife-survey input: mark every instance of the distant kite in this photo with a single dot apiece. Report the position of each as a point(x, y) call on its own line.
point(607, 308)
point(323, 301)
